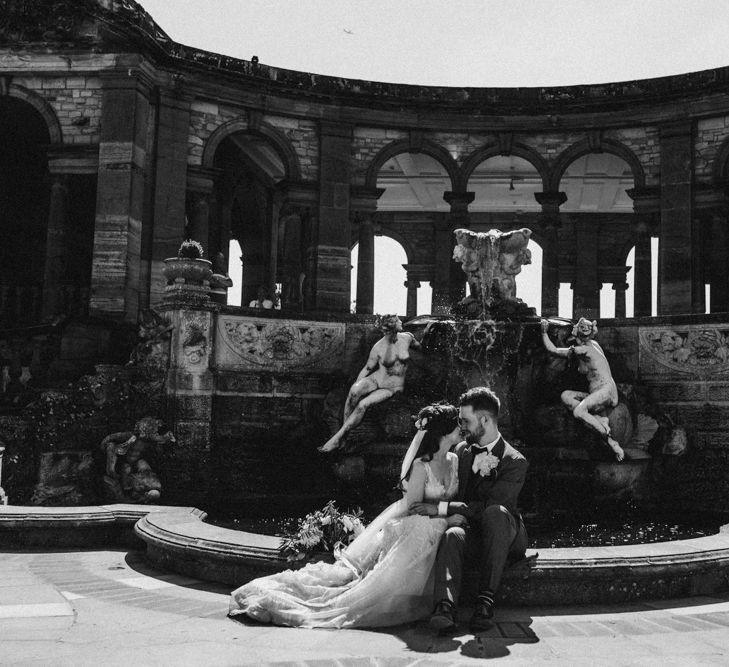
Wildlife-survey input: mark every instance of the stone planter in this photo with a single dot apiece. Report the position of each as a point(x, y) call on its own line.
point(188, 281)
point(187, 271)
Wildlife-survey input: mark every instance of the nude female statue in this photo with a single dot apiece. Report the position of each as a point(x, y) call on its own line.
point(603, 392)
point(382, 377)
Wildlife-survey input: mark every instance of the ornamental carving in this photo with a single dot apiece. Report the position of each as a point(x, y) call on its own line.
point(281, 344)
point(194, 339)
point(685, 350)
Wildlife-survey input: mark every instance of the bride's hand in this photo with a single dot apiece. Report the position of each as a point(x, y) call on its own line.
point(424, 509)
point(456, 520)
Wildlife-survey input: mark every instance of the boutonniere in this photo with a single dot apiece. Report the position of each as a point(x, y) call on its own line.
point(484, 463)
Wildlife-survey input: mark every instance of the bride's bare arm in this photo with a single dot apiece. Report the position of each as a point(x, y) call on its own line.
point(416, 484)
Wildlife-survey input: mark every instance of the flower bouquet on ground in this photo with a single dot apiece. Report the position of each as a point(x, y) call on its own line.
point(325, 531)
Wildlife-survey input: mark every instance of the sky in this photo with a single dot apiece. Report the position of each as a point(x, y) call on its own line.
point(514, 43)
point(460, 42)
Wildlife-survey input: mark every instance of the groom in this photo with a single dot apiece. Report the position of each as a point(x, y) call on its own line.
point(490, 476)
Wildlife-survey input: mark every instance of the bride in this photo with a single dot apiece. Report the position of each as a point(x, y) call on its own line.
point(384, 576)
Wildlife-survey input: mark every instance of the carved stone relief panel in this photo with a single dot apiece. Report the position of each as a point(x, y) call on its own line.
point(684, 351)
point(279, 345)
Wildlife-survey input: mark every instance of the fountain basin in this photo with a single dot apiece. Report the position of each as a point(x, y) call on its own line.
point(182, 542)
point(178, 539)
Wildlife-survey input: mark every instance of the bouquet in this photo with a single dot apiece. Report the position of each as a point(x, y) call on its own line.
point(326, 530)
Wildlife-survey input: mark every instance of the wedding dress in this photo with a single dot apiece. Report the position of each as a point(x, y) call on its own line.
point(384, 577)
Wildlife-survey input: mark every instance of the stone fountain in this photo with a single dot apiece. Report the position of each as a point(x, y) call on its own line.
point(494, 339)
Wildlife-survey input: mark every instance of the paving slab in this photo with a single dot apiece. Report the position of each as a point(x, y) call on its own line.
point(111, 607)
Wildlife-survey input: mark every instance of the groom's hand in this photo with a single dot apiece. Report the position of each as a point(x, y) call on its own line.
point(424, 509)
point(457, 520)
point(458, 508)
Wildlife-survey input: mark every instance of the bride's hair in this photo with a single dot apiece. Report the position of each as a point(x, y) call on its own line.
point(436, 421)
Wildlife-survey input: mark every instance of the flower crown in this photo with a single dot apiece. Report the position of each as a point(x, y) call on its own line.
point(422, 423)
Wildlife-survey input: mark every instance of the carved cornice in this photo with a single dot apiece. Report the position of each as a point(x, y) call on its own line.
point(126, 21)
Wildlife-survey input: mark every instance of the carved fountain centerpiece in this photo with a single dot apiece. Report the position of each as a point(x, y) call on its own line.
point(491, 260)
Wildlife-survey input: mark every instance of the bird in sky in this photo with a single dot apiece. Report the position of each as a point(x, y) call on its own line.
point(349, 32)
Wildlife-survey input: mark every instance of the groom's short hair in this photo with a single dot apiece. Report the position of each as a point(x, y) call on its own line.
point(481, 398)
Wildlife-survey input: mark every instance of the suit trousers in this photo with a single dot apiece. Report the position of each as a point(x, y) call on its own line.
point(490, 538)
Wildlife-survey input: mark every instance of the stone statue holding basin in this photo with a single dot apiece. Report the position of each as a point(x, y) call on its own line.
point(589, 407)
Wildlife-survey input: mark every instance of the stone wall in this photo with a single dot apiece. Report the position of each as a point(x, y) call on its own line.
point(710, 134)
point(680, 373)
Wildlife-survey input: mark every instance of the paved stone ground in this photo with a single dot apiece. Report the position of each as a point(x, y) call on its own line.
point(111, 608)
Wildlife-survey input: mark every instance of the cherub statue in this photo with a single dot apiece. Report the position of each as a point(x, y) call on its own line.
point(128, 476)
point(589, 407)
point(382, 377)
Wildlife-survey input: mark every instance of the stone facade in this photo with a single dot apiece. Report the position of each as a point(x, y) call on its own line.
point(259, 144)
point(136, 143)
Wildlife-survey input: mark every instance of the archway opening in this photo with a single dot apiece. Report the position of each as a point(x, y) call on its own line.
point(410, 207)
point(505, 183)
point(390, 295)
point(24, 202)
point(245, 211)
point(597, 217)
point(413, 182)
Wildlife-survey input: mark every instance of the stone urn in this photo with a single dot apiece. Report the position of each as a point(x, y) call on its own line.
point(187, 271)
point(188, 281)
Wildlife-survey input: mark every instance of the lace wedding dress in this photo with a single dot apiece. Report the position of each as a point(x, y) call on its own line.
point(382, 578)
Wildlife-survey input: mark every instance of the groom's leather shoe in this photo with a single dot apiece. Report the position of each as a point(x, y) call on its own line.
point(443, 618)
point(483, 615)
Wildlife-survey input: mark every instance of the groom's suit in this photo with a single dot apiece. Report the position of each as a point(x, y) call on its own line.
point(495, 528)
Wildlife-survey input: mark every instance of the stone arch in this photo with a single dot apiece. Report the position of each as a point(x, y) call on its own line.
point(569, 155)
point(491, 150)
point(435, 151)
point(720, 170)
point(278, 140)
point(395, 236)
point(402, 240)
point(46, 112)
point(624, 248)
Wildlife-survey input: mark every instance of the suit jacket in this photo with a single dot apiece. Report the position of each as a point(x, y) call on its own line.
point(500, 487)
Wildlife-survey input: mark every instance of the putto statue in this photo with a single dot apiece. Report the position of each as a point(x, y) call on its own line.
point(382, 377)
point(129, 478)
point(592, 407)
point(490, 261)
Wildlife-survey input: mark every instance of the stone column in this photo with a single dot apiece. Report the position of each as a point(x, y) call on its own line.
point(443, 258)
point(171, 184)
point(273, 249)
point(416, 275)
point(646, 207)
point(198, 218)
point(712, 215)
point(299, 199)
point(364, 205)
point(643, 264)
point(677, 251)
point(719, 222)
point(115, 277)
point(586, 295)
point(412, 298)
point(549, 221)
point(55, 248)
point(620, 288)
point(189, 390)
point(328, 262)
point(3, 495)
point(458, 219)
